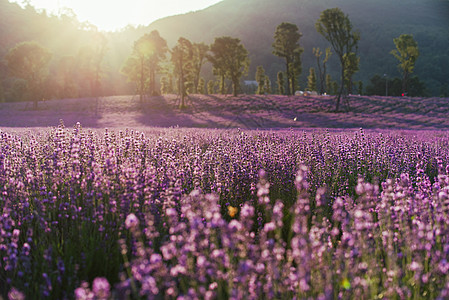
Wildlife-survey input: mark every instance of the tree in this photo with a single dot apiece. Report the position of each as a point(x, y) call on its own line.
point(286, 45)
point(145, 61)
point(199, 56)
point(351, 67)
point(181, 57)
point(311, 80)
point(260, 78)
point(29, 61)
point(322, 68)
point(200, 88)
point(360, 87)
point(329, 84)
point(407, 53)
point(336, 27)
point(281, 83)
point(211, 87)
point(157, 52)
point(229, 59)
point(267, 85)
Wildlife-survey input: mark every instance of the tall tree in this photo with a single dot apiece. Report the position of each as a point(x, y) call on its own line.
point(281, 83)
point(200, 89)
point(329, 84)
point(322, 67)
point(211, 87)
point(260, 78)
point(407, 53)
point(267, 85)
point(311, 80)
point(157, 52)
point(351, 67)
point(29, 61)
point(230, 59)
point(286, 45)
point(336, 27)
point(145, 61)
point(199, 57)
point(181, 57)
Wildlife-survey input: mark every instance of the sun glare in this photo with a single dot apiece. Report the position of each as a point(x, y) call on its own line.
point(112, 15)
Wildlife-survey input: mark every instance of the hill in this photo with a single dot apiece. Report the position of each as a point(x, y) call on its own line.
point(249, 112)
point(379, 21)
point(254, 22)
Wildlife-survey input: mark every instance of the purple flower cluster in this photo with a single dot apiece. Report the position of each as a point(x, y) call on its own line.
point(193, 214)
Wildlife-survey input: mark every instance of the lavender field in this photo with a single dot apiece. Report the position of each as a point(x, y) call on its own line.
point(223, 214)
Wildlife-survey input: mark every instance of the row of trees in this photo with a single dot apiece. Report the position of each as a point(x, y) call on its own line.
point(230, 58)
point(29, 62)
point(227, 55)
point(151, 59)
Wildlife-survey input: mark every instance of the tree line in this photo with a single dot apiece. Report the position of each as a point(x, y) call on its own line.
point(179, 69)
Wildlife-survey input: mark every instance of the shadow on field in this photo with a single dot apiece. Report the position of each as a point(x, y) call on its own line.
point(49, 113)
point(226, 111)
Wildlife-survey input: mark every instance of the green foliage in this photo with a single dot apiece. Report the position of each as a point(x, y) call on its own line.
point(29, 61)
point(145, 61)
point(336, 28)
point(331, 86)
point(322, 68)
point(164, 85)
point(311, 80)
point(280, 83)
point(286, 45)
point(260, 78)
point(381, 86)
point(199, 57)
point(181, 58)
point(230, 60)
point(360, 87)
point(201, 86)
point(211, 87)
point(267, 85)
point(407, 53)
point(351, 67)
point(379, 22)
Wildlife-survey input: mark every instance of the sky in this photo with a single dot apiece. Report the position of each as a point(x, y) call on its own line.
point(110, 15)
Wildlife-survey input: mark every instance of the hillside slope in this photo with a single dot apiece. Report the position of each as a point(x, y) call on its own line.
point(379, 21)
point(254, 22)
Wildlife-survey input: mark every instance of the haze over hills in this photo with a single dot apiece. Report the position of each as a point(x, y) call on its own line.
point(254, 22)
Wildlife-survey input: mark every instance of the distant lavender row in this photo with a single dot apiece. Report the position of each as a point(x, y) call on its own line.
point(111, 209)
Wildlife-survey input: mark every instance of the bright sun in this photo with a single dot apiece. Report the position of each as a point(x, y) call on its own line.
point(112, 15)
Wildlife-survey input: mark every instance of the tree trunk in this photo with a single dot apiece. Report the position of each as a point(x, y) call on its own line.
point(222, 84)
point(288, 78)
point(235, 85)
point(341, 85)
point(141, 81)
point(181, 86)
point(404, 83)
